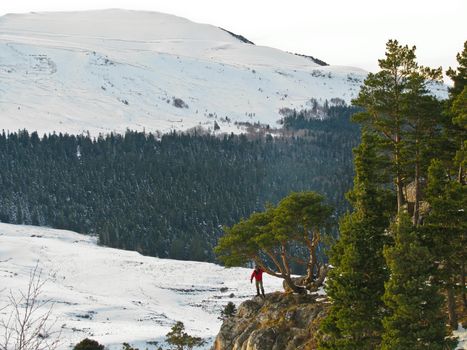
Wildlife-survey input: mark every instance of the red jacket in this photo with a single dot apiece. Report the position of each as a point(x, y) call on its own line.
point(258, 274)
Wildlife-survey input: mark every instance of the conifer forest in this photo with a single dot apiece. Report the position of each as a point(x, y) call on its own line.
point(170, 196)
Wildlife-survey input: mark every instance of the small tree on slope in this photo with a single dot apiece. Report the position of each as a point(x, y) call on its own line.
point(180, 340)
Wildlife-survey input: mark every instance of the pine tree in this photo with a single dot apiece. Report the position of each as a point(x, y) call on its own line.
point(267, 238)
point(415, 319)
point(407, 126)
point(446, 232)
point(88, 344)
point(456, 109)
point(421, 132)
point(356, 283)
point(178, 339)
point(446, 192)
point(302, 217)
point(229, 311)
point(387, 97)
point(459, 75)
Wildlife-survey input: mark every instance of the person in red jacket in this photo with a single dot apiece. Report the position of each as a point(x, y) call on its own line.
point(257, 274)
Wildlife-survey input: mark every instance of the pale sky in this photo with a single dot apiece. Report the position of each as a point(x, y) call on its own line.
point(342, 32)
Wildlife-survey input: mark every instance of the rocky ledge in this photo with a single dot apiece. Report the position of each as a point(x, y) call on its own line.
point(280, 321)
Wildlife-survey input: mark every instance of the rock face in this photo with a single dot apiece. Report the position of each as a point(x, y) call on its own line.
point(280, 321)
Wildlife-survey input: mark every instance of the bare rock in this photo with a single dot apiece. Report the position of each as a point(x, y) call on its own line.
point(280, 321)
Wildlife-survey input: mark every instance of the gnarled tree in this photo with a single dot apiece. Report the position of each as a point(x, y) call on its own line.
point(271, 239)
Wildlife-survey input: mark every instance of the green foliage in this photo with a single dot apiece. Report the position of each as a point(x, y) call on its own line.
point(356, 282)
point(458, 92)
point(415, 319)
point(456, 110)
point(299, 215)
point(404, 129)
point(459, 75)
point(243, 241)
point(178, 339)
point(270, 238)
point(445, 231)
point(229, 311)
point(400, 111)
point(459, 109)
point(88, 344)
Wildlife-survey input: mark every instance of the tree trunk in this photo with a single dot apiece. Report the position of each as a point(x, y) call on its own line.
point(285, 262)
point(311, 268)
point(452, 308)
point(313, 260)
point(460, 173)
point(283, 273)
point(274, 260)
point(416, 208)
point(399, 182)
point(313, 286)
point(293, 286)
point(463, 286)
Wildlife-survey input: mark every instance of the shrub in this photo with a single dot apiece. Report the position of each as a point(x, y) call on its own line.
point(229, 311)
point(180, 340)
point(88, 344)
point(179, 103)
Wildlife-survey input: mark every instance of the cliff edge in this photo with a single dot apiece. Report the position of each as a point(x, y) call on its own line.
point(280, 321)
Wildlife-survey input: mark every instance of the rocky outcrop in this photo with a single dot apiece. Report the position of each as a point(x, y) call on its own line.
point(280, 321)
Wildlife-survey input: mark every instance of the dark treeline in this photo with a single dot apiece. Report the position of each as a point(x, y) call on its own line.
point(165, 197)
point(337, 119)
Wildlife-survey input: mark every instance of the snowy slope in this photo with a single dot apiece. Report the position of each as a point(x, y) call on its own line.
point(110, 70)
point(117, 296)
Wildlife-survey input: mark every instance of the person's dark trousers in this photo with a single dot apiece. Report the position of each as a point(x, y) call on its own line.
point(259, 284)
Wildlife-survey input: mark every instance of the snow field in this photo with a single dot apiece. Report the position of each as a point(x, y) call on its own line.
point(109, 70)
point(116, 296)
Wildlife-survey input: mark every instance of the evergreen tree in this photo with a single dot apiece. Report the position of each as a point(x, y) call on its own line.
point(356, 283)
point(459, 75)
point(180, 340)
point(421, 133)
point(445, 231)
point(384, 96)
point(88, 344)
point(415, 319)
point(456, 109)
point(301, 217)
point(446, 192)
point(229, 311)
point(405, 124)
point(269, 238)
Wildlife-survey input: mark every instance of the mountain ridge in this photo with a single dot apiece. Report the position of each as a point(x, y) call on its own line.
point(111, 70)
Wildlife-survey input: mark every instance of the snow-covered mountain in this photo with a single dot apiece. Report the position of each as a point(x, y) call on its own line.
point(109, 70)
point(117, 296)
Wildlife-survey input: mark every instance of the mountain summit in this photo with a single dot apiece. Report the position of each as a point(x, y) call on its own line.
point(111, 70)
